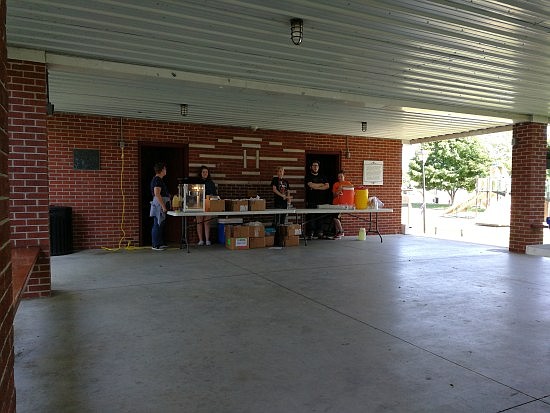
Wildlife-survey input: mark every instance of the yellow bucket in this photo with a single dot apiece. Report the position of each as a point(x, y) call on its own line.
point(361, 197)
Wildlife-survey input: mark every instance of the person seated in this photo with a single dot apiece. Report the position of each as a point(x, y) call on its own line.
point(337, 192)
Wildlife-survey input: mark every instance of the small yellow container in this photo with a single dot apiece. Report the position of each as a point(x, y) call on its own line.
point(362, 236)
point(361, 197)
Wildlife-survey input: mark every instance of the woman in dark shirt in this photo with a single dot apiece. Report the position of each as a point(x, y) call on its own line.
point(159, 206)
point(203, 223)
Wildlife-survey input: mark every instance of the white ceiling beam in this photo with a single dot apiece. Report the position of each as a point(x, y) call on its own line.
point(85, 65)
point(465, 134)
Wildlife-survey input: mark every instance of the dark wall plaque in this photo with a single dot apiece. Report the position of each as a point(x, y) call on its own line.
point(86, 159)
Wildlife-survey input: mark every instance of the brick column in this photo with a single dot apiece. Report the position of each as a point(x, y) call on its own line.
point(7, 386)
point(28, 168)
point(528, 178)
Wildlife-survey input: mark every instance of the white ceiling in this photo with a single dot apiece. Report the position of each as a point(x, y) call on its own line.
point(410, 69)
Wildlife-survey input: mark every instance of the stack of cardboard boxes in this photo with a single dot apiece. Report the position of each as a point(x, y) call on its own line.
point(253, 234)
point(243, 237)
point(289, 235)
point(256, 232)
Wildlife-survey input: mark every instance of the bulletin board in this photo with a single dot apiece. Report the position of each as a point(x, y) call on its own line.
point(373, 172)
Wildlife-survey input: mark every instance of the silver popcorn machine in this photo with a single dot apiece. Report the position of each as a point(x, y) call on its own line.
point(192, 196)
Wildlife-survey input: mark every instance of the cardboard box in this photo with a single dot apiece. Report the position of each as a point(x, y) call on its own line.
point(256, 231)
point(256, 204)
point(236, 205)
point(291, 241)
point(269, 240)
point(256, 242)
point(236, 243)
point(214, 205)
point(236, 231)
point(290, 230)
point(222, 222)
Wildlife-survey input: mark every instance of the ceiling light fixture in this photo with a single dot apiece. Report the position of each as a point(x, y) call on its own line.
point(364, 126)
point(296, 31)
point(184, 110)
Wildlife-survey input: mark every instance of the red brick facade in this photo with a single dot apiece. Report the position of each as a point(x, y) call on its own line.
point(243, 159)
point(528, 178)
point(28, 167)
point(7, 386)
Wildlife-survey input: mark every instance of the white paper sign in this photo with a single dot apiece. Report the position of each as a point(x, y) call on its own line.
point(373, 172)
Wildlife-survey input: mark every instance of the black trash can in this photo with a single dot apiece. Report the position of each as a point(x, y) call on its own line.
point(61, 230)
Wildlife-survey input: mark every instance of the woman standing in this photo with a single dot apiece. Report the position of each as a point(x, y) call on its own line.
point(159, 206)
point(203, 223)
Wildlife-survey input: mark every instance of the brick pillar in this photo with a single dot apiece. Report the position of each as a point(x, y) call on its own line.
point(7, 386)
point(28, 168)
point(528, 178)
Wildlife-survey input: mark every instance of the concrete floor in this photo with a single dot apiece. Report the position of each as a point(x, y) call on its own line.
point(410, 325)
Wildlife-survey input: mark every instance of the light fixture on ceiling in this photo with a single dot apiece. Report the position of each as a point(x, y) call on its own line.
point(364, 126)
point(296, 31)
point(184, 110)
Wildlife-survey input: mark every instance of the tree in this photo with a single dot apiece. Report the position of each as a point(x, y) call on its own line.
point(451, 165)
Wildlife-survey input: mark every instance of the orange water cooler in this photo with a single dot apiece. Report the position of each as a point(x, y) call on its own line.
point(347, 197)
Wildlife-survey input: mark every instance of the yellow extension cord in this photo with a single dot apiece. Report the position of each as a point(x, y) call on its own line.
point(128, 247)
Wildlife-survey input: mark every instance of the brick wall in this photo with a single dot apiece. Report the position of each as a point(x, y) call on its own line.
point(28, 167)
point(528, 179)
point(240, 160)
point(7, 387)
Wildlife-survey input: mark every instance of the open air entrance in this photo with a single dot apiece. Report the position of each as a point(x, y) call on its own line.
point(176, 158)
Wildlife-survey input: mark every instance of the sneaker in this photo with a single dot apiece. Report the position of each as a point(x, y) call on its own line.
point(208, 243)
point(339, 235)
point(163, 247)
point(157, 249)
point(201, 243)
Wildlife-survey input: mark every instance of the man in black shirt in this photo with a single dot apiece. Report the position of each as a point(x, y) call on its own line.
point(317, 186)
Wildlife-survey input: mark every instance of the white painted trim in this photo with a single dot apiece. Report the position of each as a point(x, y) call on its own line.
point(199, 145)
point(275, 158)
point(234, 182)
point(243, 138)
point(198, 165)
point(208, 155)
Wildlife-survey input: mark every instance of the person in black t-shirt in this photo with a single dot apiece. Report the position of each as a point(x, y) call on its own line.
point(316, 194)
point(281, 196)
